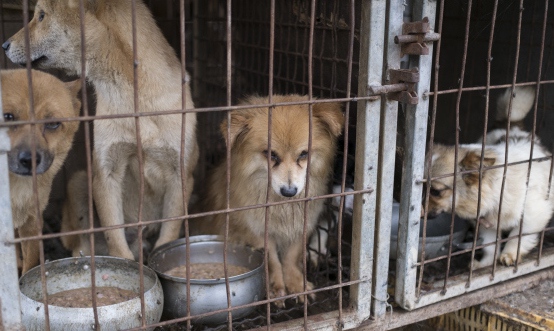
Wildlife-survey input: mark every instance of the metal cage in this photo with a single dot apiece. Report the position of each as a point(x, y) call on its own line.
point(408, 74)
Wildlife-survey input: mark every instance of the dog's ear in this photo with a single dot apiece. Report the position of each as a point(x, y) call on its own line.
point(239, 126)
point(74, 87)
point(472, 160)
point(330, 114)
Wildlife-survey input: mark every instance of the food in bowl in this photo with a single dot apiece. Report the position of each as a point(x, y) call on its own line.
point(209, 294)
point(81, 297)
point(75, 274)
point(207, 271)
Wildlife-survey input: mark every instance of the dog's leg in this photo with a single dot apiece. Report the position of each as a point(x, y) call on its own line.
point(29, 249)
point(276, 282)
point(528, 242)
point(294, 278)
point(489, 236)
point(107, 192)
point(173, 207)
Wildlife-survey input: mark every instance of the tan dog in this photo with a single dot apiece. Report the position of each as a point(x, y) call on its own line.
point(56, 43)
point(535, 207)
point(289, 162)
point(52, 99)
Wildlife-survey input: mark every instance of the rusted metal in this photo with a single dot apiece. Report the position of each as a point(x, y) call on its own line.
point(401, 87)
point(414, 37)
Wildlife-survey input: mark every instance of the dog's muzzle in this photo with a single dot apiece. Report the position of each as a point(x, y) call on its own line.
point(20, 161)
point(288, 191)
point(6, 45)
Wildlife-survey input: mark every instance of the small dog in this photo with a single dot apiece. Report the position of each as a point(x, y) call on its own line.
point(55, 42)
point(533, 202)
point(52, 99)
point(289, 163)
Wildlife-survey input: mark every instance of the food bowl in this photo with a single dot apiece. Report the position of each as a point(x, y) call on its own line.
point(74, 273)
point(437, 236)
point(208, 295)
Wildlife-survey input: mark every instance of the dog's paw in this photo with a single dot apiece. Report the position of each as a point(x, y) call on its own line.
point(298, 287)
point(277, 293)
point(508, 259)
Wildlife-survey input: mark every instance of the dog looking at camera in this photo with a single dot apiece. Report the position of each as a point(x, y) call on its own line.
point(529, 203)
point(288, 159)
point(52, 99)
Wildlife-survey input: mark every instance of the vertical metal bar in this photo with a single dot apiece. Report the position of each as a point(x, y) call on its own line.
point(228, 191)
point(89, 163)
point(140, 159)
point(182, 161)
point(10, 308)
point(412, 169)
point(372, 34)
point(387, 154)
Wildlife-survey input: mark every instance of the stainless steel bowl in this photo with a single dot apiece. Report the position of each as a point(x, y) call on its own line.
point(73, 273)
point(437, 236)
point(208, 295)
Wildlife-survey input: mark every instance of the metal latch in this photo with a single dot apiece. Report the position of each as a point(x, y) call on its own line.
point(414, 36)
point(402, 86)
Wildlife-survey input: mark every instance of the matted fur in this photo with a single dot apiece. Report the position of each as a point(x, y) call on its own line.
point(249, 181)
point(52, 99)
point(56, 43)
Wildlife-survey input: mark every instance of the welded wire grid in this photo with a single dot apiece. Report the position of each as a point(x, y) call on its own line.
point(333, 272)
point(493, 46)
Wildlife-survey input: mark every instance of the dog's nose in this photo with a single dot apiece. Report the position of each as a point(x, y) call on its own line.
point(288, 191)
point(26, 160)
point(6, 45)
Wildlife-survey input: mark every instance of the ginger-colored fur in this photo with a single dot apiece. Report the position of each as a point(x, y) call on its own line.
point(56, 43)
point(535, 207)
point(52, 99)
point(249, 181)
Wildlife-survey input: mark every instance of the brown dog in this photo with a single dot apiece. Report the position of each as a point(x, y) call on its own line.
point(55, 42)
point(52, 99)
point(289, 163)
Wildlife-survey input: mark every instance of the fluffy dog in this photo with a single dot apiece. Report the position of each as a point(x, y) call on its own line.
point(532, 204)
point(289, 163)
point(55, 42)
point(52, 99)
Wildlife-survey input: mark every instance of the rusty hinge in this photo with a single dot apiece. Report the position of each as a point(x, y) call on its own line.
point(401, 87)
point(414, 36)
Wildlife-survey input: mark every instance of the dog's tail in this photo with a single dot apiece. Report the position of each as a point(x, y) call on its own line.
point(523, 98)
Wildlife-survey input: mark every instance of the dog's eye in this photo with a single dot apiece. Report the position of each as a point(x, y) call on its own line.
point(303, 155)
point(52, 126)
point(434, 192)
point(274, 156)
point(8, 117)
point(41, 15)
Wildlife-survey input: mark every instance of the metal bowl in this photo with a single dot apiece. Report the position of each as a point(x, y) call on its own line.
point(208, 295)
point(437, 236)
point(72, 273)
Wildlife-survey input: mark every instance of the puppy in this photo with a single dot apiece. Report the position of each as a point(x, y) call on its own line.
point(531, 204)
point(55, 42)
point(288, 160)
point(52, 99)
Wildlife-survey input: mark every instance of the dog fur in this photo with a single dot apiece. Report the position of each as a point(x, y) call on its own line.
point(249, 181)
point(534, 205)
point(52, 99)
point(55, 42)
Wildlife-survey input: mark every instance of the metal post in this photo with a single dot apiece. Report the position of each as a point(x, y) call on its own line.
point(387, 154)
point(413, 167)
point(372, 33)
point(10, 307)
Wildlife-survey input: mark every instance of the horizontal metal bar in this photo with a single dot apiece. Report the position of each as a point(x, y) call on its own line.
point(412, 38)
